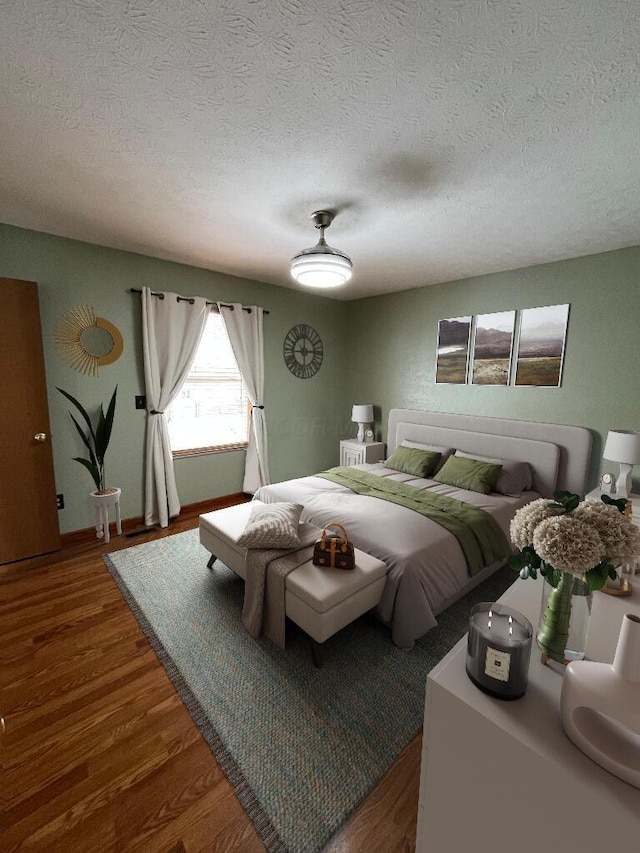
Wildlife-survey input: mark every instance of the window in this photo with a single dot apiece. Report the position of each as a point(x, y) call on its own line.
point(211, 412)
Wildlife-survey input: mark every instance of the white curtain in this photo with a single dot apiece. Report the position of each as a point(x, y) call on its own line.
point(244, 327)
point(171, 332)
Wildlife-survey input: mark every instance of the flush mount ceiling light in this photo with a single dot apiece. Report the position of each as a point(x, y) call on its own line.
point(321, 266)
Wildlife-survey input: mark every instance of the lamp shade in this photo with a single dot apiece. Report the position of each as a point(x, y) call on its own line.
point(623, 446)
point(362, 414)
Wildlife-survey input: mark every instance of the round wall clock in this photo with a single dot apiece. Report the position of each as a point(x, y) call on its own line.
point(303, 351)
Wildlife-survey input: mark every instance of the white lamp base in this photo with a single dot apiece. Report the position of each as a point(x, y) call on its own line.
point(623, 483)
point(362, 428)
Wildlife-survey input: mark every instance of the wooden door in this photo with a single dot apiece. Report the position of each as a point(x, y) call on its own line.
point(28, 511)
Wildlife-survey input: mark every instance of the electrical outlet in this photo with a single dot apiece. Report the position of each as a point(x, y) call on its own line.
point(141, 401)
point(60, 501)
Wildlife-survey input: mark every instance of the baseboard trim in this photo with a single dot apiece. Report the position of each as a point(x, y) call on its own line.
point(135, 526)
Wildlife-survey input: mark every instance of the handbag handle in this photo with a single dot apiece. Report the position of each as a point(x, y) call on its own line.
point(345, 539)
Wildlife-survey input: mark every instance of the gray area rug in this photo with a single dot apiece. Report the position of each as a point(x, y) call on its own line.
point(301, 746)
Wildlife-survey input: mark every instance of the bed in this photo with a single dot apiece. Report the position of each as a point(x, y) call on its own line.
point(426, 567)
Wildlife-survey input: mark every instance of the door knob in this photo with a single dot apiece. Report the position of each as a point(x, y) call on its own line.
point(40, 436)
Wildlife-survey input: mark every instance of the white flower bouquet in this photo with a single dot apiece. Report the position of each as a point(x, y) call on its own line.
point(569, 535)
point(576, 546)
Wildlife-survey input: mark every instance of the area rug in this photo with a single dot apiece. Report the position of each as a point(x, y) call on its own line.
point(301, 746)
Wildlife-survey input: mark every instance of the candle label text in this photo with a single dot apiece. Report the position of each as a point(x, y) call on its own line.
point(497, 664)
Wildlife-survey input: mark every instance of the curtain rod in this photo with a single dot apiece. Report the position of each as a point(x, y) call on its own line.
point(191, 300)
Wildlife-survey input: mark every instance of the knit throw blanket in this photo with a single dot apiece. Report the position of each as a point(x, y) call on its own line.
point(263, 609)
point(479, 534)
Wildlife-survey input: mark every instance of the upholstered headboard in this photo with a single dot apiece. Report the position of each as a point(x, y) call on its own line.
point(559, 454)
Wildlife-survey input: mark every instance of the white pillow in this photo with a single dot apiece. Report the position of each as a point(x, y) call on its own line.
point(514, 478)
point(444, 451)
point(272, 526)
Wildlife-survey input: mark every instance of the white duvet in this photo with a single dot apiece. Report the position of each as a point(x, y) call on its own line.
point(427, 570)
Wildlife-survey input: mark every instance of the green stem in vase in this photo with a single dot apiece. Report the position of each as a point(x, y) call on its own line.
point(553, 633)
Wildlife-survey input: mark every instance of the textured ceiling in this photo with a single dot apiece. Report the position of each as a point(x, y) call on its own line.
point(452, 137)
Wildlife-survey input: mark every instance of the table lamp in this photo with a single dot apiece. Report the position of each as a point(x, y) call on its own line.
point(623, 446)
point(363, 416)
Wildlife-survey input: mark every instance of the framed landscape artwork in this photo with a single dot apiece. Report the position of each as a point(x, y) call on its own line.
point(541, 345)
point(493, 343)
point(453, 350)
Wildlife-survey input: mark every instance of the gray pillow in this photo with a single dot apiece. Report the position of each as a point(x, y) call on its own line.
point(514, 478)
point(272, 526)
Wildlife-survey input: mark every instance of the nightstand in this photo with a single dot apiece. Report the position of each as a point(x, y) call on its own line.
point(353, 452)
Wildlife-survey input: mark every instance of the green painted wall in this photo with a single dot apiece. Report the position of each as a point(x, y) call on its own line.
point(388, 343)
point(395, 367)
point(306, 418)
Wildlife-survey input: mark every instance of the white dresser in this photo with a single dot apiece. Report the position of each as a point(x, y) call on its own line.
point(353, 452)
point(501, 776)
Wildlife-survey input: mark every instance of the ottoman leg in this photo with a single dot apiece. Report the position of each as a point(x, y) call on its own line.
point(212, 560)
point(315, 652)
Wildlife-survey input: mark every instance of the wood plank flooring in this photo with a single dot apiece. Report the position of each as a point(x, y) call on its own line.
point(99, 753)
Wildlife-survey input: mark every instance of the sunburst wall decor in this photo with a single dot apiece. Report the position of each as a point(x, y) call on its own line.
point(87, 342)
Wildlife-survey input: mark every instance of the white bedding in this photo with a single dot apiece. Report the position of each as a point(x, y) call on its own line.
point(427, 570)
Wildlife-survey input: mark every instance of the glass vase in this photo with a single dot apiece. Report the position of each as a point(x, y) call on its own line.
point(564, 619)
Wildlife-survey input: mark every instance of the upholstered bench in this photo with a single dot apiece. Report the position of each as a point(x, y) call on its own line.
point(321, 601)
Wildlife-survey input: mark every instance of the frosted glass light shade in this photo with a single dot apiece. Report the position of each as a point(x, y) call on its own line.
point(623, 446)
point(321, 266)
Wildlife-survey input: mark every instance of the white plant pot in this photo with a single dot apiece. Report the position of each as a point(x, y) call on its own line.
point(101, 503)
point(600, 706)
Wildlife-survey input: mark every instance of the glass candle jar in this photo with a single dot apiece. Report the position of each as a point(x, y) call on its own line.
point(498, 650)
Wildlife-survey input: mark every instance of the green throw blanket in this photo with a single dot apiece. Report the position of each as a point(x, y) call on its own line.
point(478, 533)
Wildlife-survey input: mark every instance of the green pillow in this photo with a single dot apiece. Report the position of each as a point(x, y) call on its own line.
point(470, 474)
point(411, 460)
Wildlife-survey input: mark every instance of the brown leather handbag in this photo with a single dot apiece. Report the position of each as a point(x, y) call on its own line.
point(334, 552)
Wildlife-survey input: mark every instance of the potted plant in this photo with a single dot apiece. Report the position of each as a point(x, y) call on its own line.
point(96, 440)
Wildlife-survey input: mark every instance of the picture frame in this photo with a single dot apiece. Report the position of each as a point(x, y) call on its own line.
point(493, 348)
point(541, 345)
point(452, 354)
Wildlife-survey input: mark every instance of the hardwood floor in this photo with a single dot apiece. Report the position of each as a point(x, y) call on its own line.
point(99, 753)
